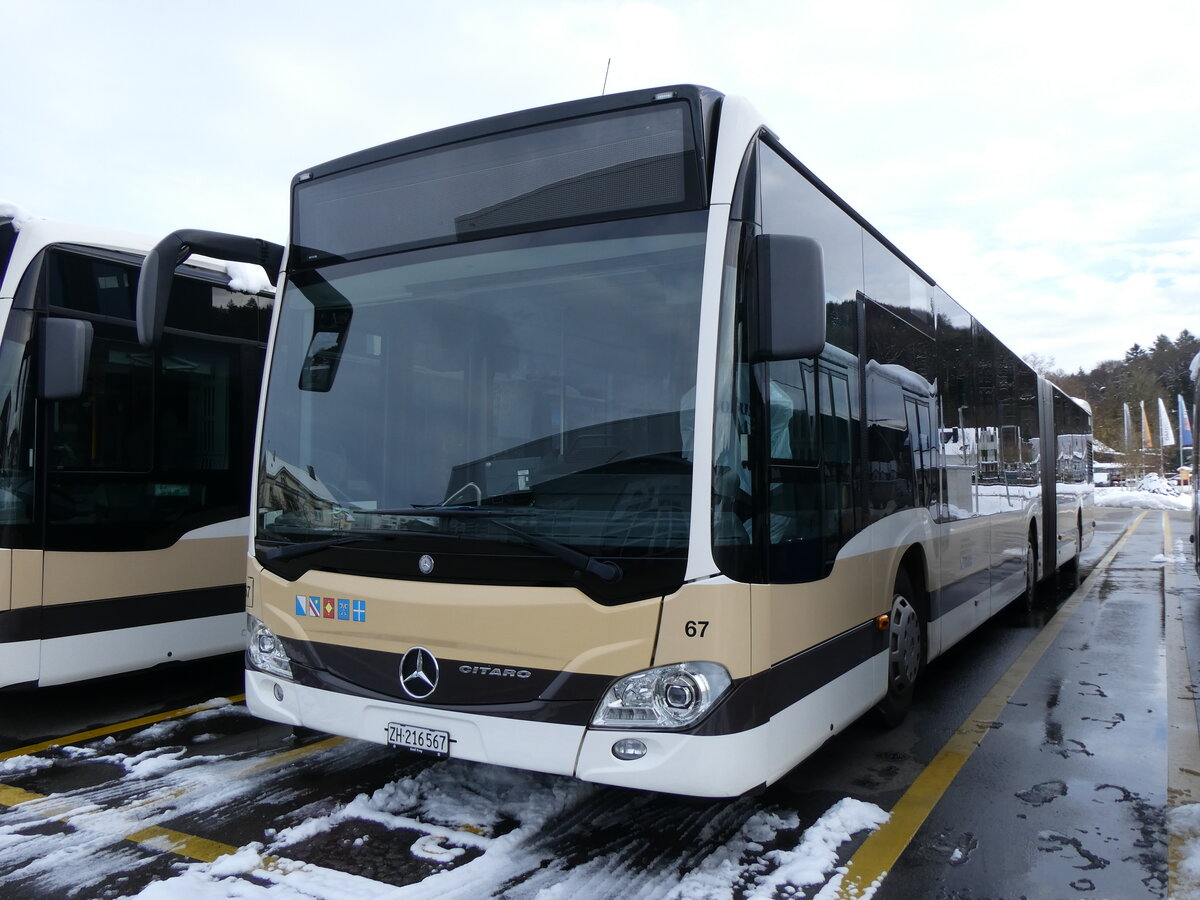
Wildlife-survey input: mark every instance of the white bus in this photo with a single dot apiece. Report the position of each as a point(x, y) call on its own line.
point(1194, 371)
point(603, 439)
point(123, 509)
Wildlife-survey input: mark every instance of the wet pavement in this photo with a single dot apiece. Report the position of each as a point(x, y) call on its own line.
point(1061, 793)
point(1067, 796)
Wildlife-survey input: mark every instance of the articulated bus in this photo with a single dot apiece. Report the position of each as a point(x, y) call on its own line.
point(1194, 370)
point(123, 508)
point(604, 439)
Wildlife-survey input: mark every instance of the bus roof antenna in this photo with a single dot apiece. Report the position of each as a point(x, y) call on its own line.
point(607, 66)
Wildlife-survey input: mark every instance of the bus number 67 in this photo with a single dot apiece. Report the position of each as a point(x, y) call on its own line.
point(695, 629)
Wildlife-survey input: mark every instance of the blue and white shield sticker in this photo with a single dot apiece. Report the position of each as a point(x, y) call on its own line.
point(347, 610)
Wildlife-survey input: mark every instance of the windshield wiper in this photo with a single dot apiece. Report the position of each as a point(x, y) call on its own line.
point(285, 552)
point(602, 569)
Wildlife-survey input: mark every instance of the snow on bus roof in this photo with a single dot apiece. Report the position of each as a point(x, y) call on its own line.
point(243, 277)
point(14, 212)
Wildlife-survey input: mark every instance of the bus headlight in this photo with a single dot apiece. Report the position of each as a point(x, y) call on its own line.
point(674, 696)
point(265, 649)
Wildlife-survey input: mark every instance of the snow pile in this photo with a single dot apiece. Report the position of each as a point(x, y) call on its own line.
point(1152, 492)
point(19, 764)
point(1135, 499)
point(1179, 557)
point(1183, 823)
point(808, 863)
point(1156, 484)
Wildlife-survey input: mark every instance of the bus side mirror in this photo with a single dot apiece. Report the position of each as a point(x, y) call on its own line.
point(66, 349)
point(787, 317)
point(158, 270)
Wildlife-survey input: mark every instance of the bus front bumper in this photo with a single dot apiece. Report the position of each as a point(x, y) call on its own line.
point(702, 766)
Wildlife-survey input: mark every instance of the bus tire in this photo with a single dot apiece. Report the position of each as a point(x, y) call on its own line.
point(1030, 597)
point(906, 652)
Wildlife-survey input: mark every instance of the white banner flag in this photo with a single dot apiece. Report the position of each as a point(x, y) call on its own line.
point(1166, 434)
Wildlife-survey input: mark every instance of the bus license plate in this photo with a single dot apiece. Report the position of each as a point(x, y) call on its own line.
point(422, 740)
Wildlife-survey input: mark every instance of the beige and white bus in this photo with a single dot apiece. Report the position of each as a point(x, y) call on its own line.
point(604, 439)
point(123, 508)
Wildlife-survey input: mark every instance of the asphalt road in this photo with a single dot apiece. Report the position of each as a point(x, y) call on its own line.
point(1038, 748)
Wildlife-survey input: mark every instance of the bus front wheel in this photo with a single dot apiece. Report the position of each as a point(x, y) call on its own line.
point(906, 652)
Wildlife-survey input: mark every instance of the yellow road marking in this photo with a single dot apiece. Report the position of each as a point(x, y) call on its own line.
point(164, 840)
point(78, 737)
point(13, 796)
point(289, 756)
point(879, 852)
point(153, 837)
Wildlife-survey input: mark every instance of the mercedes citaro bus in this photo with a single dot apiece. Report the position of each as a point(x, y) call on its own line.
point(604, 439)
point(123, 508)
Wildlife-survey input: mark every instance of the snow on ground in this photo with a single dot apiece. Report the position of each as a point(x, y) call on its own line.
point(158, 784)
point(808, 863)
point(455, 808)
point(1183, 823)
point(1152, 492)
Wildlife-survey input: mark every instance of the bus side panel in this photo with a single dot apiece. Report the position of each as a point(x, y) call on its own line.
point(190, 564)
point(18, 656)
point(20, 650)
point(5, 581)
point(94, 655)
point(790, 618)
point(960, 583)
point(106, 613)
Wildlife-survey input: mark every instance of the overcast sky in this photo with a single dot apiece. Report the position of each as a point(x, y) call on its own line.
point(1040, 160)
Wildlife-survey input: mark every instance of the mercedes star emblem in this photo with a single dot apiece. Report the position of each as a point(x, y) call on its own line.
point(418, 673)
point(425, 564)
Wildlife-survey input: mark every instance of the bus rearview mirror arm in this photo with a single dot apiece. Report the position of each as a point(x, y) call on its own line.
point(787, 316)
point(158, 270)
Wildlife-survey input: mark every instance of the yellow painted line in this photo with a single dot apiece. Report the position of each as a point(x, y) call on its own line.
point(164, 840)
point(154, 837)
point(290, 756)
point(13, 796)
point(1183, 748)
point(879, 852)
point(81, 736)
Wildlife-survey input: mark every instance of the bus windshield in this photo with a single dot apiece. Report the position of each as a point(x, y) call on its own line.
point(546, 376)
